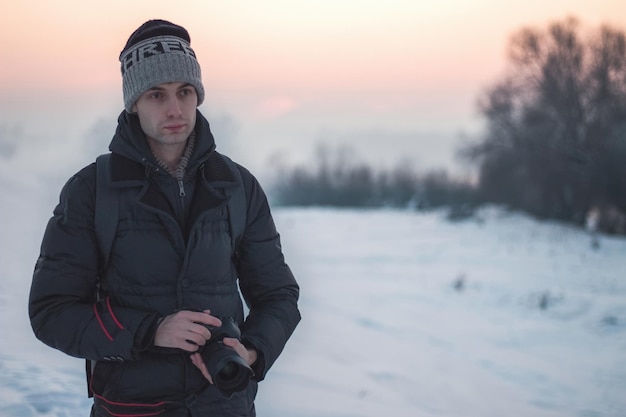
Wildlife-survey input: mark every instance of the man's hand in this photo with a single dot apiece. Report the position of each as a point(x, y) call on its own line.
point(184, 330)
point(249, 355)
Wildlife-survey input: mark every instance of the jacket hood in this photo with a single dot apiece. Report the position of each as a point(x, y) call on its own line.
point(130, 141)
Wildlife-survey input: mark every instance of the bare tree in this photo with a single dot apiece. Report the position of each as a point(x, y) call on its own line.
point(556, 123)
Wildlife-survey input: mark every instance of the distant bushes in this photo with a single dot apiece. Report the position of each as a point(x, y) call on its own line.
point(335, 179)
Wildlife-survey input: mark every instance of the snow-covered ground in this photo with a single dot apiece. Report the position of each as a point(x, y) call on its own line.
point(404, 314)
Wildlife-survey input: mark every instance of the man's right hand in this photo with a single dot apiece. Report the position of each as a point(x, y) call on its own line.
point(184, 330)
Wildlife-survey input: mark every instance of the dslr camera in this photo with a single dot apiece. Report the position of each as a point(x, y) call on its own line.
point(229, 371)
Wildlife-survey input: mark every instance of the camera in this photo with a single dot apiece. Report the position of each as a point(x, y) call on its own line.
point(229, 371)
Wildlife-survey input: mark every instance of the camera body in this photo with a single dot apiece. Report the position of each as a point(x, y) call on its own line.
point(229, 371)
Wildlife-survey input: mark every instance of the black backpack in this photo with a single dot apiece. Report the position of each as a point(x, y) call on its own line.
point(106, 218)
point(107, 207)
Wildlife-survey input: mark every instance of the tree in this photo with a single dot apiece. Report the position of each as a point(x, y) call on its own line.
point(555, 142)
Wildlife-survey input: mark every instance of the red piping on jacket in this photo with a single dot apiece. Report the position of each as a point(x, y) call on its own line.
point(106, 333)
point(113, 314)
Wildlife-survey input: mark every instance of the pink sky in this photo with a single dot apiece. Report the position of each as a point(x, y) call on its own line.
point(397, 64)
point(328, 45)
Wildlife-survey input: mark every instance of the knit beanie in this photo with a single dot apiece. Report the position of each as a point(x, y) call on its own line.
point(158, 52)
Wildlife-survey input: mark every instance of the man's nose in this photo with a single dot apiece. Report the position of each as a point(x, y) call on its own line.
point(173, 107)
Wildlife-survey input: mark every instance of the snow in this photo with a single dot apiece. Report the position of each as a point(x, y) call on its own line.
point(404, 314)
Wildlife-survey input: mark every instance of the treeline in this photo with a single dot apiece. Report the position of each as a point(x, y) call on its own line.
point(554, 144)
point(336, 178)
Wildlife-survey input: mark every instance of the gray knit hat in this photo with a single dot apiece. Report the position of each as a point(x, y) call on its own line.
point(158, 52)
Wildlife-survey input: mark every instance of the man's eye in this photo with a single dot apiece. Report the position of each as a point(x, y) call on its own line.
point(156, 95)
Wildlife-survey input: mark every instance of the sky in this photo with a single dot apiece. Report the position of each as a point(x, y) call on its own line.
point(393, 81)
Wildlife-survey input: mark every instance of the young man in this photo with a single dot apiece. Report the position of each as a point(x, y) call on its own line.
point(146, 317)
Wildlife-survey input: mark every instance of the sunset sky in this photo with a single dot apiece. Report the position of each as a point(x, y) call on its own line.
point(394, 80)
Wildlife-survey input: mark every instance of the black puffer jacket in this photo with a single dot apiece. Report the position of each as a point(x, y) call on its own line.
point(171, 252)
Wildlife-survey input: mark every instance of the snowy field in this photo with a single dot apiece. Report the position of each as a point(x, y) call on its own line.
point(404, 314)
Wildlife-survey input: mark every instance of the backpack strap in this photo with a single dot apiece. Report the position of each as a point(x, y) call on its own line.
point(237, 207)
point(106, 216)
point(106, 210)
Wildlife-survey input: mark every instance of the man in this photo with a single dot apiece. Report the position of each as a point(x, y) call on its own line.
point(145, 317)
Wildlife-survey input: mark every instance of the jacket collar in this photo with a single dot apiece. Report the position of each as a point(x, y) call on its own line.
point(215, 171)
point(132, 161)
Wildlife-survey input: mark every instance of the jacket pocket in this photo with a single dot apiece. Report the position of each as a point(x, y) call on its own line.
point(108, 404)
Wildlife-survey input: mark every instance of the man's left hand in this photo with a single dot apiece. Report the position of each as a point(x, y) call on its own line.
point(249, 355)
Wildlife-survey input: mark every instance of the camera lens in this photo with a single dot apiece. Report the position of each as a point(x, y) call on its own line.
point(229, 371)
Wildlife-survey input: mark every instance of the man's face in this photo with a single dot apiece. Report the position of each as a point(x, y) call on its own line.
point(167, 113)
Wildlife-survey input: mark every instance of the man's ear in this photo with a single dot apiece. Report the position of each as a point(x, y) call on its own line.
point(134, 108)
